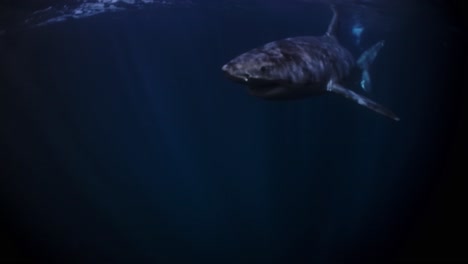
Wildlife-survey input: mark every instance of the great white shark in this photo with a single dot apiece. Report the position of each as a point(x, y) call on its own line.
point(300, 67)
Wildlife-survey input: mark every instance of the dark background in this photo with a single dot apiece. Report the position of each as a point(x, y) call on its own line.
point(122, 142)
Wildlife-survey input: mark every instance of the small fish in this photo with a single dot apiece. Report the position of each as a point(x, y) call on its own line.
point(357, 32)
point(300, 67)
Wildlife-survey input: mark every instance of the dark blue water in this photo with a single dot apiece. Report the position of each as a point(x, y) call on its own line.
point(122, 142)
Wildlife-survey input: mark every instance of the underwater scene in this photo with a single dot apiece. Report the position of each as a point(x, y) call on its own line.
point(232, 131)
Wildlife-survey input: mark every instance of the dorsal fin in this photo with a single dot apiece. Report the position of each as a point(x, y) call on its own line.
point(333, 23)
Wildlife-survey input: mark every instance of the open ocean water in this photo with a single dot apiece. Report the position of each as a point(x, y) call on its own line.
point(121, 141)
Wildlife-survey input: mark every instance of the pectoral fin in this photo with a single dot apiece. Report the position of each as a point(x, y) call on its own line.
point(362, 100)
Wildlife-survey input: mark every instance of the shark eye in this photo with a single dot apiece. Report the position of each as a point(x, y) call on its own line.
point(264, 68)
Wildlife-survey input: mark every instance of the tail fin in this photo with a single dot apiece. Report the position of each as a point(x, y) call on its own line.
point(362, 100)
point(364, 62)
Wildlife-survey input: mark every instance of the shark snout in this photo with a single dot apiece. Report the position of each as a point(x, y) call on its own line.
point(234, 73)
point(227, 69)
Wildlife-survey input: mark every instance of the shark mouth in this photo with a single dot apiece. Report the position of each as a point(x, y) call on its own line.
point(251, 81)
point(243, 79)
point(256, 86)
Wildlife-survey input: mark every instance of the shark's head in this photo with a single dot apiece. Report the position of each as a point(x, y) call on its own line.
point(255, 66)
point(273, 71)
point(263, 70)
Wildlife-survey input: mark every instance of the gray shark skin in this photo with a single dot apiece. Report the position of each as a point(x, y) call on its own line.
point(300, 67)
